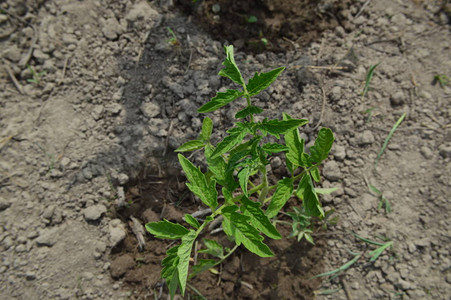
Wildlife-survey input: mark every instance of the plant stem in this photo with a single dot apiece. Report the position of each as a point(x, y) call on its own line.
point(264, 191)
point(227, 255)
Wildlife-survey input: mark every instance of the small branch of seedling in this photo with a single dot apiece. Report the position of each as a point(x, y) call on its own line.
point(245, 205)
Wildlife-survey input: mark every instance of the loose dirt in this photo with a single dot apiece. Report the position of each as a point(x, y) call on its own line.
point(115, 96)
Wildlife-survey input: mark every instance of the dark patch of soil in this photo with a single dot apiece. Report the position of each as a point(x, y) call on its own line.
point(274, 25)
point(242, 276)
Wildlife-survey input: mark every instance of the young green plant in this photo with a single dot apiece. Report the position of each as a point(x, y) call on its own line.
point(36, 76)
point(237, 169)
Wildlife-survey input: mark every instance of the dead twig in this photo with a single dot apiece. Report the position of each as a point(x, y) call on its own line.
point(215, 223)
point(323, 108)
point(362, 8)
point(64, 70)
point(190, 53)
point(13, 78)
point(139, 232)
point(201, 213)
point(346, 289)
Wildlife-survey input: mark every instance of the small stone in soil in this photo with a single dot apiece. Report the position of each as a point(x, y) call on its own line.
point(397, 98)
point(332, 171)
point(117, 232)
point(120, 265)
point(47, 237)
point(365, 138)
point(93, 213)
point(4, 204)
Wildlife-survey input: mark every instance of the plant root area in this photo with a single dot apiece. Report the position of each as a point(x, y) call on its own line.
point(243, 275)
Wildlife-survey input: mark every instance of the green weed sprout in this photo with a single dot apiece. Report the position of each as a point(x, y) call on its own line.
point(442, 79)
point(36, 76)
point(368, 78)
point(173, 40)
point(374, 255)
point(237, 169)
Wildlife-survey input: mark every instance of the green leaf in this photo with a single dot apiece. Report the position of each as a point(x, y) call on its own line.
point(166, 230)
point(228, 197)
point(375, 190)
point(173, 283)
point(309, 238)
point(306, 192)
point(277, 127)
point(207, 128)
point(192, 221)
point(323, 143)
point(231, 70)
point(243, 178)
point(376, 253)
point(190, 146)
point(261, 81)
point(184, 254)
point(228, 143)
point(221, 99)
point(274, 148)
point(259, 219)
point(218, 167)
point(213, 248)
point(246, 234)
point(283, 192)
point(252, 19)
point(202, 265)
point(295, 144)
point(315, 174)
point(248, 111)
point(198, 183)
point(169, 263)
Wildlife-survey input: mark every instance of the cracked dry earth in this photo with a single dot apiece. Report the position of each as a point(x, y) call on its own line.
point(94, 99)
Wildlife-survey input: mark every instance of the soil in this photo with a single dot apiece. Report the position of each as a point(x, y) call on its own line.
point(246, 23)
point(95, 96)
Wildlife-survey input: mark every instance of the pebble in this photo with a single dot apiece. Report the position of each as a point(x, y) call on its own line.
point(365, 138)
point(335, 93)
point(48, 212)
point(332, 171)
point(398, 98)
point(47, 237)
point(13, 53)
point(445, 150)
point(30, 275)
point(339, 152)
point(112, 29)
point(141, 10)
point(426, 152)
point(93, 213)
point(4, 204)
point(21, 248)
point(122, 178)
point(121, 264)
point(97, 112)
point(150, 109)
point(117, 232)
